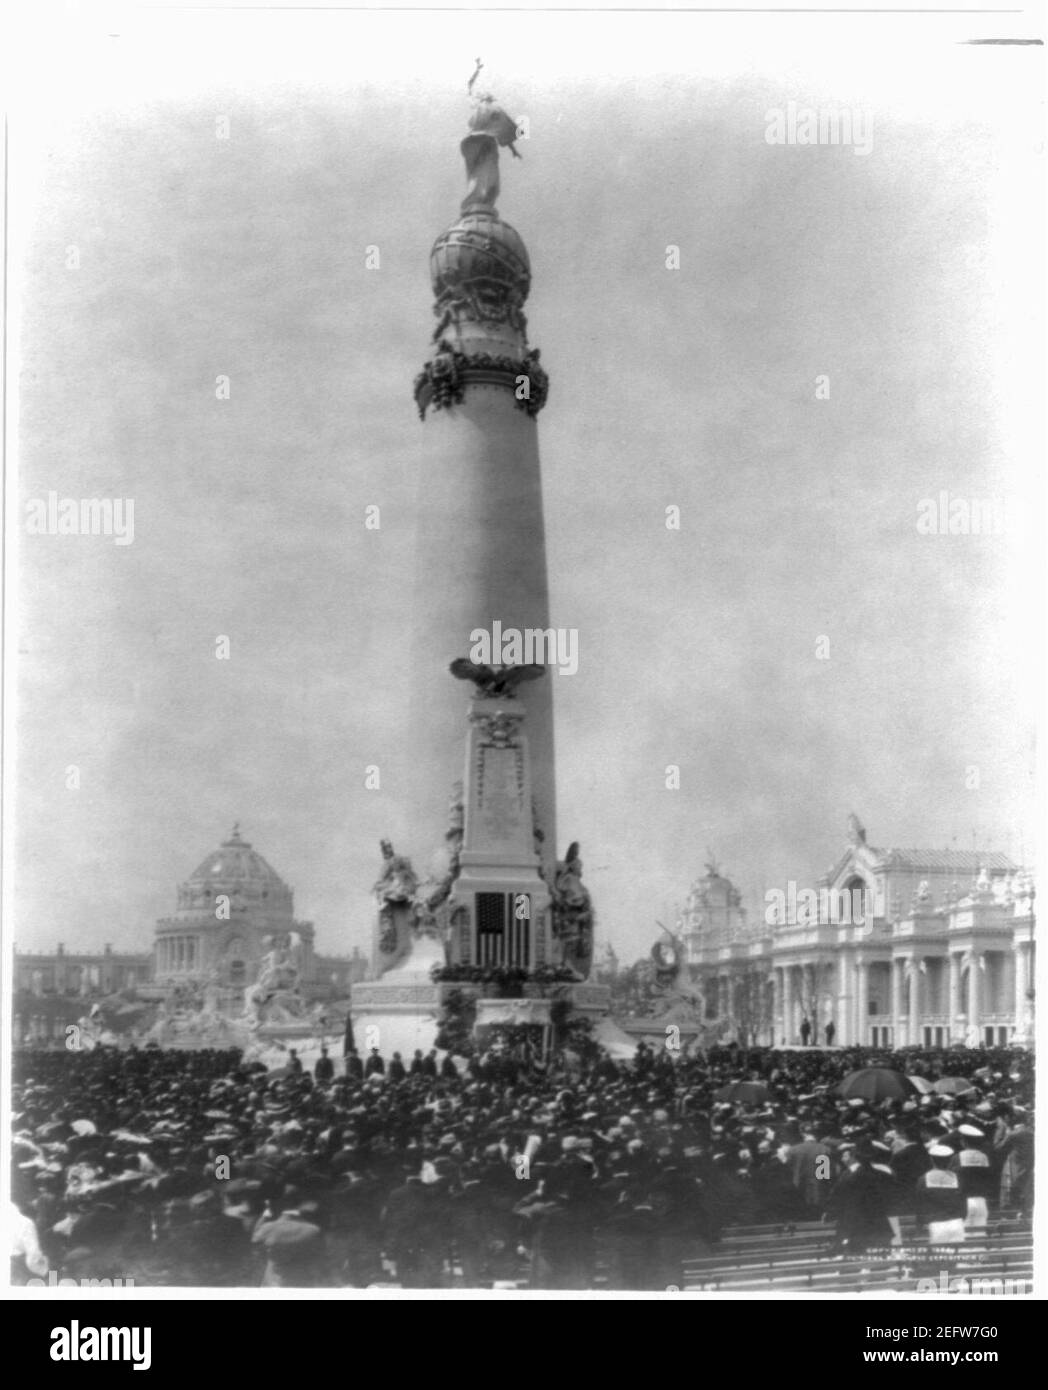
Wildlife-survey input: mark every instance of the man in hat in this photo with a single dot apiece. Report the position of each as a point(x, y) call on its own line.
point(293, 1243)
point(211, 1245)
point(356, 1232)
point(375, 1065)
point(324, 1070)
point(861, 1200)
point(908, 1161)
point(941, 1205)
point(404, 1221)
point(972, 1166)
point(1015, 1146)
point(810, 1166)
point(561, 1214)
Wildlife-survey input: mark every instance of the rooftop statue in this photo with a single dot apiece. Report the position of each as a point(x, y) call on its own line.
point(490, 127)
point(489, 118)
point(856, 830)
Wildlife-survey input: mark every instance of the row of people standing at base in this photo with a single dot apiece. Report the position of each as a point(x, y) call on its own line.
point(810, 1033)
point(946, 1186)
point(357, 1068)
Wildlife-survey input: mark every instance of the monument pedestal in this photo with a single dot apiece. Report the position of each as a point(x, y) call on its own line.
point(407, 1013)
point(401, 1011)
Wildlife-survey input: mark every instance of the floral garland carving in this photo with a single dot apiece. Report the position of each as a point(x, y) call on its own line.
point(442, 381)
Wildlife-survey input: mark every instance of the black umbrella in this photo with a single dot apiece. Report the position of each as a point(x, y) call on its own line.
point(875, 1084)
point(744, 1092)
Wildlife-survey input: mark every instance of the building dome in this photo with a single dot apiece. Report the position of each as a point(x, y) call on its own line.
point(483, 250)
point(235, 863)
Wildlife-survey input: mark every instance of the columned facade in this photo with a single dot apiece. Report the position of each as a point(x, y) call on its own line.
point(937, 948)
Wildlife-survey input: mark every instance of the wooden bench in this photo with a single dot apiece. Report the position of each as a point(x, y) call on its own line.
point(793, 1266)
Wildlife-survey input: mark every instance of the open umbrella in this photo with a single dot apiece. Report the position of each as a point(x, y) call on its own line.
point(875, 1084)
point(953, 1086)
point(922, 1084)
point(744, 1092)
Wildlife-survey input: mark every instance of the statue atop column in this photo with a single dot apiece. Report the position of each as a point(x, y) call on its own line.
point(491, 127)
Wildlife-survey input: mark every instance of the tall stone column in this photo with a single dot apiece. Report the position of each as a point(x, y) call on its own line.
point(953, 1006)
point(862, 1002)
point(1021, 986)
point(900, 1034)
point(915, 1003)
point(776, 1007)
point(481, 551)
point(844, 1036)
point(787, 1003)
point(974, 1002)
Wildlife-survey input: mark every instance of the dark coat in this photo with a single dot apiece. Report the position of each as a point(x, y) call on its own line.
point(860, 1204)
point(908, 1165)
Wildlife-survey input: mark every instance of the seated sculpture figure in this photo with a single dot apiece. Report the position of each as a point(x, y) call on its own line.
point(275, 997)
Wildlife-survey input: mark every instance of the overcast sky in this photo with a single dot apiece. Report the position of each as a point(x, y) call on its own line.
point(907, 276)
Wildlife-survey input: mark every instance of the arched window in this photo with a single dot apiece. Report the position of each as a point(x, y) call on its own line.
point(855, 891)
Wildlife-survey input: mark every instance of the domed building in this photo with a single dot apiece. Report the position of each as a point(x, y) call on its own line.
point(226, 910)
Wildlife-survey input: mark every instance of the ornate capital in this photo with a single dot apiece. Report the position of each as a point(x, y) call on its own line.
point(443, 380)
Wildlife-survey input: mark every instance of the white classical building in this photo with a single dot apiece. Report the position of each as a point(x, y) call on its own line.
point(939, 950)
point(226, 912)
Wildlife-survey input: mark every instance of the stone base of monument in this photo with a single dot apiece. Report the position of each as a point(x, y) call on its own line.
point(396, 1015)
point(407, 1011)
point(404, 1006)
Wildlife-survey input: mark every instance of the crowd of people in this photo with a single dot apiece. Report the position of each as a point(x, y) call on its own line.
point(195, 1168)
